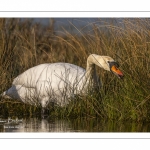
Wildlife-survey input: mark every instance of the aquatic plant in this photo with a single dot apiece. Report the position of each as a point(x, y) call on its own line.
point(24, 44)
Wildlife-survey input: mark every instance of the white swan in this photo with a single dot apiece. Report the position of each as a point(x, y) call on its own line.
point(57, 82)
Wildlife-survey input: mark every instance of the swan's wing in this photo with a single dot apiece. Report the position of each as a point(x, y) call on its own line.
point(53, 73)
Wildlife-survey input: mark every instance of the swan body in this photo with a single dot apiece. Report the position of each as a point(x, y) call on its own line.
point(58, 82)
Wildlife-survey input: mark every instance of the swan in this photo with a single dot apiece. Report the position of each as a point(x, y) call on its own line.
point(58, 82)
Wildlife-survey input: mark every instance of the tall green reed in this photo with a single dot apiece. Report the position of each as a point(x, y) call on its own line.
point(24, 45)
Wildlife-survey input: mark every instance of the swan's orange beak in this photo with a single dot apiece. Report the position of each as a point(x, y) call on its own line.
point(116, 71)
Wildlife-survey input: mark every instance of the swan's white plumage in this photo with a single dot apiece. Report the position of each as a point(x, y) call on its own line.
point(55, 82)
point(46, 82)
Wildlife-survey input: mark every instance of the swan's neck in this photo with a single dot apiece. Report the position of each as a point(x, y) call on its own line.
point(90, 72)
point(90, 75)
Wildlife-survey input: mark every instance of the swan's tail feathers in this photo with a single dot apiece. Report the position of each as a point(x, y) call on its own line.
point(4, 95)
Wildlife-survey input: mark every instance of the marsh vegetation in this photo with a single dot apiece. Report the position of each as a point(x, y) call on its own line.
point(24, 44)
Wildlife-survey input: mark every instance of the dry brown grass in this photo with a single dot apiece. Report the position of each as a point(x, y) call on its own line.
point(24, 44)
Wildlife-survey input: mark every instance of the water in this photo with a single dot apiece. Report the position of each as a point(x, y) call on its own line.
point(74, 125)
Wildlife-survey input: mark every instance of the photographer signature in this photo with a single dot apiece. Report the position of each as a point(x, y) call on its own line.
point(10, 121)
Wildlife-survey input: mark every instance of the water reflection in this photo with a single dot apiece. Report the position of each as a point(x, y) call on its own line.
point(74, 125)
point(36, 125)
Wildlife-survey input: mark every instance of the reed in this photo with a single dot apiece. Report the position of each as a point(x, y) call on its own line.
point(24, 44)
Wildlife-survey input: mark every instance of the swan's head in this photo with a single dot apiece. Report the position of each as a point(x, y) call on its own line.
point(108, 64)
point(114, 67)
point(111, 65)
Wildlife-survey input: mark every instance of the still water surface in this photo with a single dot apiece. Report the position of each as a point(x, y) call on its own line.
point(75, 125)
